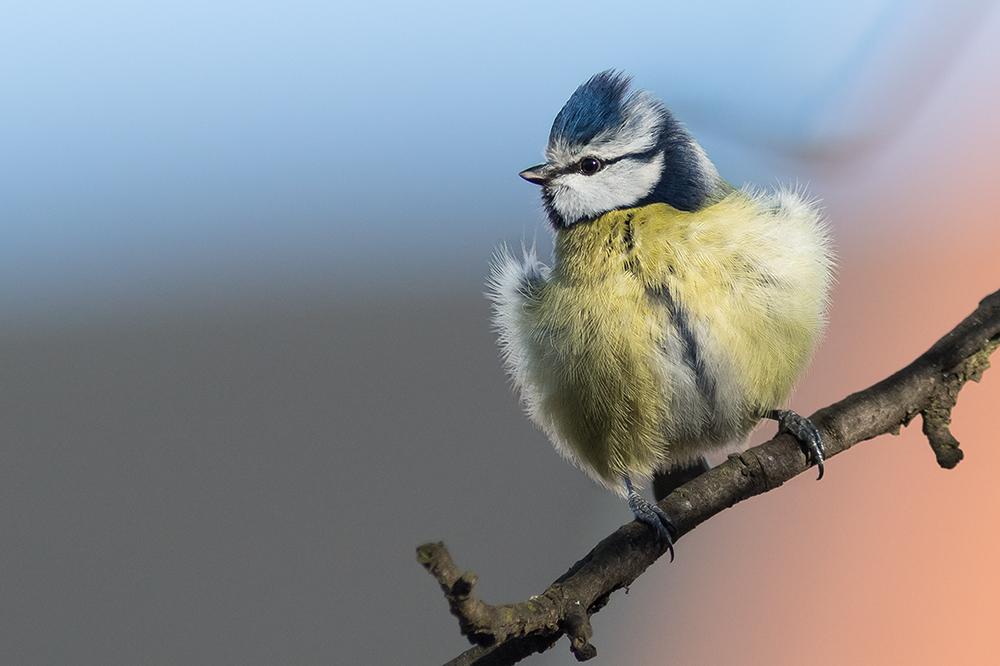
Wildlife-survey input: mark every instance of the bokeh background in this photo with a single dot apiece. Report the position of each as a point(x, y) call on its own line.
point(246, 365)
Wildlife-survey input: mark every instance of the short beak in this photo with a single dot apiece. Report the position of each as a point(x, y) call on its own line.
point(538, 175)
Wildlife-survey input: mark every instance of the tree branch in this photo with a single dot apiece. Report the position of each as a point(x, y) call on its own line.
point(929, 386)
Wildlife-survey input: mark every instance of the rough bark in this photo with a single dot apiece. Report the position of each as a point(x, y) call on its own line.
point(505, 634)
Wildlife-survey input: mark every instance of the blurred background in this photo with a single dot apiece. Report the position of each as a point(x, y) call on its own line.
point(246, 365)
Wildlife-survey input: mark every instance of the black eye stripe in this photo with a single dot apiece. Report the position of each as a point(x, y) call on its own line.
point(645, 155)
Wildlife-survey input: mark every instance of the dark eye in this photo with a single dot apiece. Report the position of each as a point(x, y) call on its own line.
point(590, 165)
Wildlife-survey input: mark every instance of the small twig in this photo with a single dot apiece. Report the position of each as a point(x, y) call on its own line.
point(929, 386)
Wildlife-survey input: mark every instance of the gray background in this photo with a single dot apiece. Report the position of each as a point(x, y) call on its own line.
point(246, 364)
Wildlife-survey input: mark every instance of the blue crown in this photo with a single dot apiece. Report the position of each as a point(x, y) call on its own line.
point(596, 106)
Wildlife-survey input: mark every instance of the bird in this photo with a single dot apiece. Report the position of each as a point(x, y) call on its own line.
point(678, 311)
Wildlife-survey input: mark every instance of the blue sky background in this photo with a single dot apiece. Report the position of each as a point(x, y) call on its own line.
point(246, 365)
point(160, 151)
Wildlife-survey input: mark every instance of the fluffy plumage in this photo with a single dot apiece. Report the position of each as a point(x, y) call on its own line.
point(678, 310)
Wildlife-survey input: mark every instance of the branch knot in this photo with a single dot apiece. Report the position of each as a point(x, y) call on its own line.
point(929, 386)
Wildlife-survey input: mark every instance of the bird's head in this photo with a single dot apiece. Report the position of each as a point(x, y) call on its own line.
point(613, 148)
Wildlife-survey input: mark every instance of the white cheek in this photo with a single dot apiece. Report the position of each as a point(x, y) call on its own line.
point(619, 185)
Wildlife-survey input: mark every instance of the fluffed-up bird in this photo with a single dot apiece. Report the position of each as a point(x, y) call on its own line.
point(678, 310)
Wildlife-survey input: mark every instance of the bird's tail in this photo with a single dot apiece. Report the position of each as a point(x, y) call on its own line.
point(665, 482)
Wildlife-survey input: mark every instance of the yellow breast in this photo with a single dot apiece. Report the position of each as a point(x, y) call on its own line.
point(660, 333)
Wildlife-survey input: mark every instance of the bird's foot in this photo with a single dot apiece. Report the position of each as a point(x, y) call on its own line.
point(651, 514)
point(803, 430)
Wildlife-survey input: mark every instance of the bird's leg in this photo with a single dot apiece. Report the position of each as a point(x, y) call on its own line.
point(649, 513)
point(803, 430)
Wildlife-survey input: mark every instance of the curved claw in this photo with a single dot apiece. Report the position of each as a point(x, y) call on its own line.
point(803, 430)
point(651, 514)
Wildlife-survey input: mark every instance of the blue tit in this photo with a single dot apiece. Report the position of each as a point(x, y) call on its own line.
point(678, 311)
